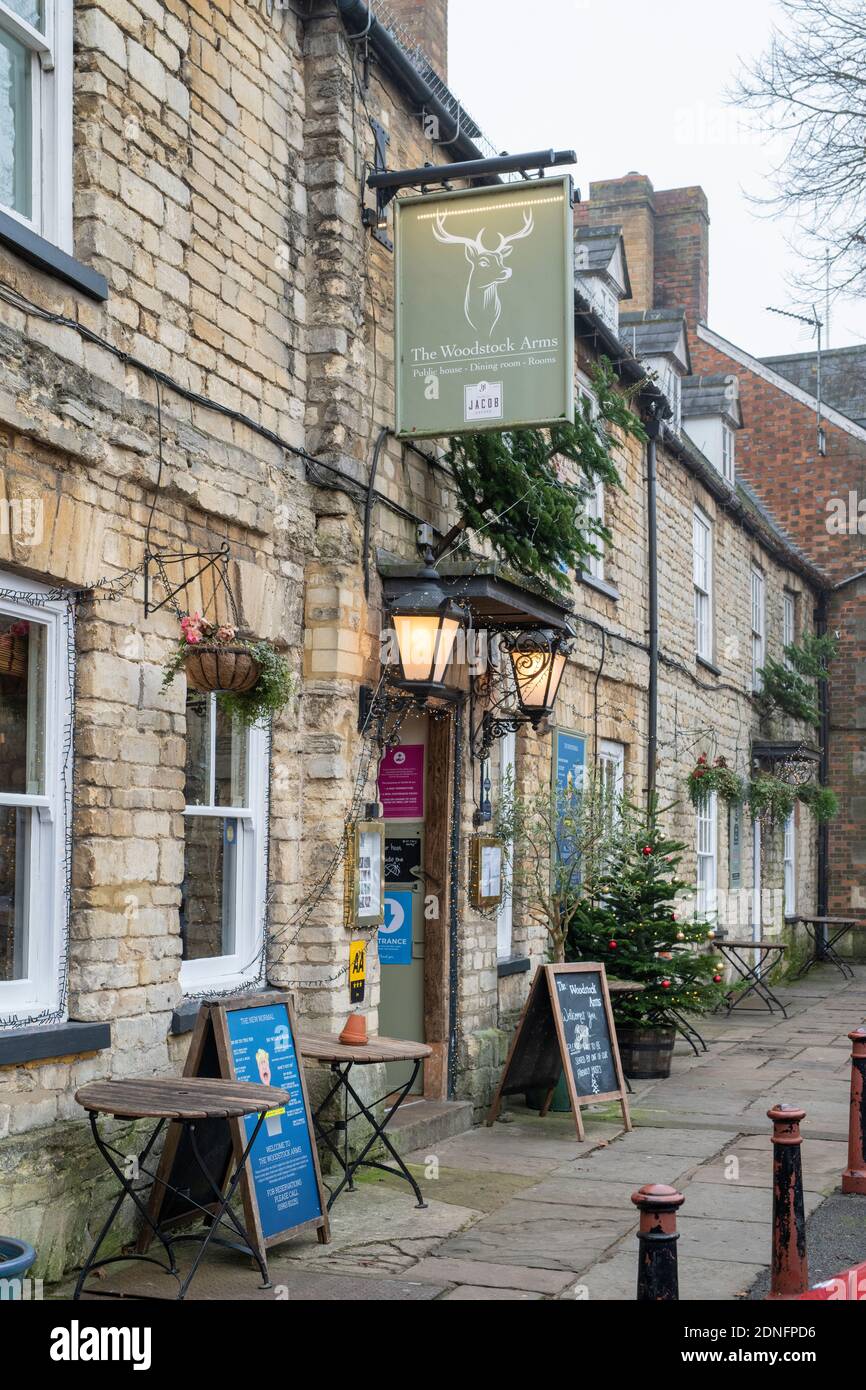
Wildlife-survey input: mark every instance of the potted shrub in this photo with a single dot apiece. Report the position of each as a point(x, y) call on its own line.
point(631, 918)
point(248, 675)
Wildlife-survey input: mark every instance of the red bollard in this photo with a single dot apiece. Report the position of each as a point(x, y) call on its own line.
point(854, 1176)
point(657, 1277)
point(789, 1269)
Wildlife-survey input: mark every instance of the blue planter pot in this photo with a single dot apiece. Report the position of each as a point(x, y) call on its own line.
point(16, 1257)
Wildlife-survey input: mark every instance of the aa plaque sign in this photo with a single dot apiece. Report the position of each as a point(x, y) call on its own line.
point(485, 308)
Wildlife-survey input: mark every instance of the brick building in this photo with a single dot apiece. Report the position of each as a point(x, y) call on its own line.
point(197, 351)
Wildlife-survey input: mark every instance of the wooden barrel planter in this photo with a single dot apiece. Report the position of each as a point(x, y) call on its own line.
point(646, 1053)
point(13, 655)
point(213, 668)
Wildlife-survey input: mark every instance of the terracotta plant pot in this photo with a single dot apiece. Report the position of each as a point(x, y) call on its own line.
point(212, 668)
point(13, 656)
point(355, 1032)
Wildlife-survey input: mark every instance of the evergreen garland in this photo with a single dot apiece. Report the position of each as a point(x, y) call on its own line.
point(516, 488)
point(790, 685)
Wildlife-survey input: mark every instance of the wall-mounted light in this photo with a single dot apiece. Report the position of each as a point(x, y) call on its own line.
point(426, 623)
point(538, 658)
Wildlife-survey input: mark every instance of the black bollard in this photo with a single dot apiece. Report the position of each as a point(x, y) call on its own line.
point(789, 1269)
point(657, 1277)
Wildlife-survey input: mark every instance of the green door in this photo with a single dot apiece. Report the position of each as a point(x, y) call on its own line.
point(401, 999)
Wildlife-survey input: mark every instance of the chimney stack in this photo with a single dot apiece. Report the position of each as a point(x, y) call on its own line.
point(426, 22)
point(630, 203)
point(682, 252)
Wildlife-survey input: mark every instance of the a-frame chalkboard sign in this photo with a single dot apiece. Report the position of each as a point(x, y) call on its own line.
point(566, 1027)
point(253, 1038)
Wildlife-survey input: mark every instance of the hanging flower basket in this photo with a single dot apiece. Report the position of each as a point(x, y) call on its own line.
point(13, 651)
point(706, 777)
point(250, 679)
point(213, 668)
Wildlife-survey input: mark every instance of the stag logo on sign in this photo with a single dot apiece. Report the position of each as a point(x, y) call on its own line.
point(487, 271)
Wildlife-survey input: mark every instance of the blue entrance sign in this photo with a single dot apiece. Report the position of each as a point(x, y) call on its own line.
point(395, 934)
point(569, 766)
point(281, 1163)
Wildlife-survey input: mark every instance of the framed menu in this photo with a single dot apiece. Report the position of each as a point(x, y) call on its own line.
point(364, 895)
point(485, 871)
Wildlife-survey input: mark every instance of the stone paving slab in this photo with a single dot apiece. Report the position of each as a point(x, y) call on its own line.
point(537, 1242)
point(445, 1270)
point(477, 1293)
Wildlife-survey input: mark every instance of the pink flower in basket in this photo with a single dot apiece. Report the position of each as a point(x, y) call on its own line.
point(226, 633)
point(192, 628)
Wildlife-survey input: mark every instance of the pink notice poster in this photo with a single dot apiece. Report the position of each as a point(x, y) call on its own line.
point(401, 782)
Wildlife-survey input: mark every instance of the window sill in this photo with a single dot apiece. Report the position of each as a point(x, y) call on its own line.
point(514, 965)
point(42, 1044)
point(708, 665)
point(601, 586)
point(45, 256)
point(184, 1016)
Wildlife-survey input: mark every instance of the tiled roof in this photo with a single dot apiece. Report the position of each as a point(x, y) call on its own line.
point(599, 246)
point(718, 394)
point(654, 332)
point(843, 377)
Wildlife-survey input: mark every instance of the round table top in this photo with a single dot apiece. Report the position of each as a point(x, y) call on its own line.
point(326, 1047)
point(180, 1098)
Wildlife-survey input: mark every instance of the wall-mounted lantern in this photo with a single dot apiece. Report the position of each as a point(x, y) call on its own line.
point(538, 657)
point(426, 623)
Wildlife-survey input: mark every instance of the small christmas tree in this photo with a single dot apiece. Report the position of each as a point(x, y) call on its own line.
point(631, 918)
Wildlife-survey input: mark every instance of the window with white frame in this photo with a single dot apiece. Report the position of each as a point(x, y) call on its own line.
point(594, 564)
point(35, 790)
point(707, 849)
point(789, 622)
point(223, 894)
point(36, 116)
point(790, 861)
point(611, 768)
point(759, 627)
point(702, 552)
point(728, 452)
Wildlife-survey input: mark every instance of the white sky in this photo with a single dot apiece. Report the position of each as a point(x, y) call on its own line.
point(639, 85)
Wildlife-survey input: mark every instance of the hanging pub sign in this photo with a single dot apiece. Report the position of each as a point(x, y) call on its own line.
point(485, 308)
point(364, 900)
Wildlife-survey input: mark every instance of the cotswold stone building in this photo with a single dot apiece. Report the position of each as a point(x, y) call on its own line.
point(196, 360)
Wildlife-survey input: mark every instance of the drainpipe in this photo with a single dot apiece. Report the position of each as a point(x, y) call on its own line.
point(454, 858)
point(821, 624)
point(653, 428)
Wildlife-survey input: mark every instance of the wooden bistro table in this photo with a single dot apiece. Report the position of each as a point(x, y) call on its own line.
point(837, 927)
point(185, 1101)
point(732, 950)
point(341, 1058)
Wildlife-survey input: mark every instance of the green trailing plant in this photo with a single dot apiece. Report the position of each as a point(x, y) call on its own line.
point(770, 799)
point(526, 490)
point(273, 688)
point(790, 685)
point(822, 801)
point(706, 777)
point(631, 917)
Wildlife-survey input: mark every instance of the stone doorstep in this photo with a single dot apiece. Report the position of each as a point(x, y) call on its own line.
point(419, 1124)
